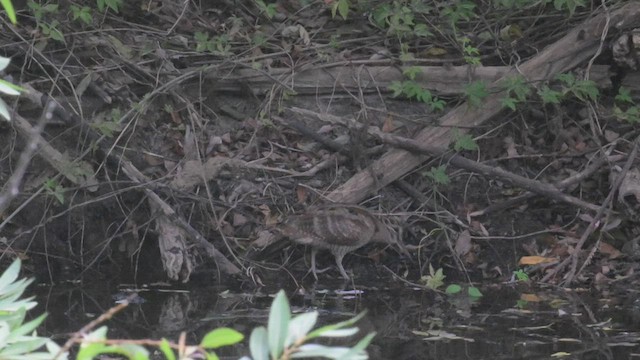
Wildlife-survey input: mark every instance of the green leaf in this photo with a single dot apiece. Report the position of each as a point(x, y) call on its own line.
point(9, 88)
point(437, 104)
point(278, 326)
point(359, 347)
point(509, 103)
point(320, 331)
point(396, 87)
point(476, 92)
point(221, 337)
point(10, 275)
point(11, 12)
point(4, 110)
point(421, 30)
point(343, 8)
point(166, 349)
point(453, 289)
point(300, 325)
point(5, 331)
point(29, 327)
point(50, 8)
point(4, 62)
point(438, 175)
point(464, 142)
point(411, 72)
point(340, 332)
point(624, 95)
point(474, 292)
point(549, 96)
point(259, 344)
point(22, 347)
point(320, 351)
point(56, 34)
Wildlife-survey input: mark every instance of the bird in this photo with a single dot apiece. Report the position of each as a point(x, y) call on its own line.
point(338, 228)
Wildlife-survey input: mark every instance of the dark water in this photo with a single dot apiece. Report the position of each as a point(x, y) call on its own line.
point(508, 322)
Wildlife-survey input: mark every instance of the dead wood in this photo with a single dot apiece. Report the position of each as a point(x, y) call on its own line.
point(534, 186)
point(225, 265)
point(177, 263)
point(593, 225)
point(570, 51)
point(443, 80)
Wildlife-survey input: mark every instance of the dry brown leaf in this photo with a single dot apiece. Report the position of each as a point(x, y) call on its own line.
point(239, 220)
point(433, 52)
point(152, 160)
point(609, 250)
point(301, 194)
point(535, 260)
point(512, 152)
point(388, 126)
point(463, 243)
point(530, 297)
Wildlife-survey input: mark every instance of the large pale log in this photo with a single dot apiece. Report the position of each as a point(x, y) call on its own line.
point(328, 80)
point(444, 80)
point(573, 49)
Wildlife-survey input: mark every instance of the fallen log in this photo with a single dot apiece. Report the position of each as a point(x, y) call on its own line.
point(573, 49)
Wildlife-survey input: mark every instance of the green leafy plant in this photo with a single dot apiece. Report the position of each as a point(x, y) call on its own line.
point(476, 92)
point(625, 108)
point(570, 5)
point(583, 90)
point(108, 127)
point(270, 10)
point(96, 343)
point(410, 89)
point(218, 45)
point(399, 18)
point(470, 52)
point(81, 13)
point(41, 12)
point(438, 175)
point(549, 96)
point(340, 7)
point(286, 335)
point(7, 5)
point(18, 339)
point(7, 88)
point(53, 188)
point(435, 279)
point(521, 275)
point(459, 10)
point(462, 141)
point(472, 291)
point(517, 91)
point(114, 5)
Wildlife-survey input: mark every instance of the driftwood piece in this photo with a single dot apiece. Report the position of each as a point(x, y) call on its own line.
point(225, 264)
point(441, 80)
point(573, 49)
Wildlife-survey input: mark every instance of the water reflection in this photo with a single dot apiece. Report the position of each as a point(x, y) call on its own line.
point(507, 323)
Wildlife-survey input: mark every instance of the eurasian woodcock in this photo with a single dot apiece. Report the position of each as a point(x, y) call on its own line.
point(338, 228)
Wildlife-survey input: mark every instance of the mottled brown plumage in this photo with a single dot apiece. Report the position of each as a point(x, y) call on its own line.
point(338, 228)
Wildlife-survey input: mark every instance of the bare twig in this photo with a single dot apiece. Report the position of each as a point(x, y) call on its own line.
point(532, 185)
point(12, 187)
point(595, 222)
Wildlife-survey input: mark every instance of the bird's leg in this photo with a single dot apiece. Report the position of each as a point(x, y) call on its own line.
point(339, 263)
point(313, 262)
point(313, 269)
